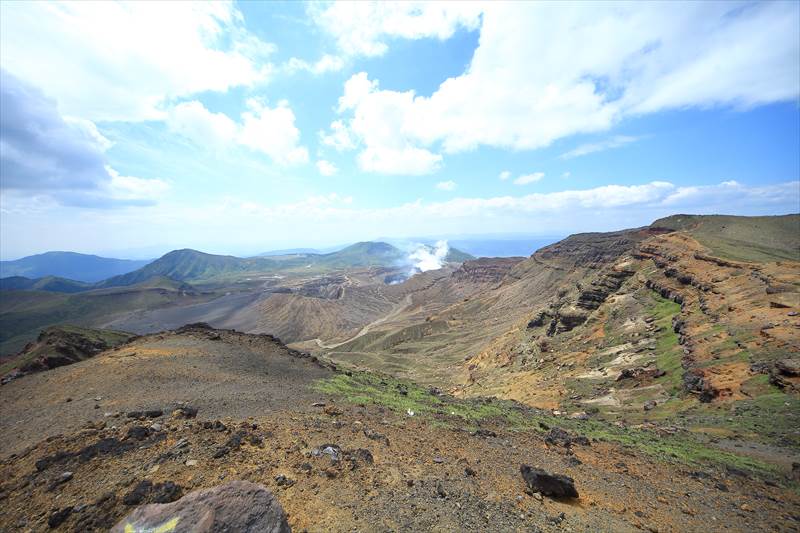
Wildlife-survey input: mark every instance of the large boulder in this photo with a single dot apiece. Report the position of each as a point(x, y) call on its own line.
point(238, 506)
point(555, 485)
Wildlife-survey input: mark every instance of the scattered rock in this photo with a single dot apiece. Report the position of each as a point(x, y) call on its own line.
point(561, 437)
point(191, 462)
point(788, 367)
point(283, 481)
point(440, 490)
point(235, 506)
point(555, 485)
point(141, 415)
point(145, 490)
point(483, 433)
point(138, 432)
point(332, 410)
point(374, 435)
point(650, 404)
point(184, 411)
point(57, 517)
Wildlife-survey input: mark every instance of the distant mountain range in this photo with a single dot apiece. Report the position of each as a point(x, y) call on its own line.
point(187, 265)
point(70, 265)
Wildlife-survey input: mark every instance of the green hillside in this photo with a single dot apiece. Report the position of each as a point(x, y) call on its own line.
point(190, 265)
point(759, 239)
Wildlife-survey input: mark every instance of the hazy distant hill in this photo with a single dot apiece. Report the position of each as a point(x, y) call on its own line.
point(192, 265)
point(47, 283)
point(290, 251)
point(71, 265)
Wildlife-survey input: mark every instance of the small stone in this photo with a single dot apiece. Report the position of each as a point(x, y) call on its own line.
point(332, 410)
point(191, 462)
point(57, 518)
point(554, 485)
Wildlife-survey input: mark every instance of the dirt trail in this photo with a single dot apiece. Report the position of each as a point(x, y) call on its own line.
point(407, 302)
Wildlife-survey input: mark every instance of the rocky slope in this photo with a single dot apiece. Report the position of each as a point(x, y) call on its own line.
point(168, 414)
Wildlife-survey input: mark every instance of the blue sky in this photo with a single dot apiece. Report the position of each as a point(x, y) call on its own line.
point(132, 129)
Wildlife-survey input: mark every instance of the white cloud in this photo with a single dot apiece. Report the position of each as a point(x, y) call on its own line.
point(362, 28)
point(133, 189)
point(339, 138)
point(406, 160)
point(271, 131)
point(124, 61)
point(504, 175)
point(566, 175)
point(449, 185)
point(529, 178)
point(325, 219)
point(326, 63)
point(644, 58)
point(194, 121)
point(378, 126)
point(616, 141)
point(326, 168)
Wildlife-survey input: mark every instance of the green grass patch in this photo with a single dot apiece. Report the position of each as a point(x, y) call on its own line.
point(363, 388)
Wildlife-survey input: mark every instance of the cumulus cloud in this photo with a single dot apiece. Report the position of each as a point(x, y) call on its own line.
point(124, 60)
point(326, 168)
point(644, 58)
point(616, 141)
point(326, 63)
point(449, 185)
point(529, 178)
point(195, 122)
point(44, 154)
point(338, 138)
point(271, 131)
point(363, 28)
point(320, 220)
point(504, 175)
point(378, 127)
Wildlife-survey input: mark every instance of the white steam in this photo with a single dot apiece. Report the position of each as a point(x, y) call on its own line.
point(426, 258)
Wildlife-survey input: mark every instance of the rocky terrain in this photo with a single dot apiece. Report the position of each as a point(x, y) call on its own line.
point(646, 379)
point(167, 414)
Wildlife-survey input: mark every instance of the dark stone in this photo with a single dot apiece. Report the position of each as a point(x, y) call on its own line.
point(146, 491)
point(238, 506)
point(555, 485)
point(139, 493)
point(57, 517)
point(788, 367)
point(561, 437)
point(166, 492)
point(221, 452)
point(138, 432)
point(374, 435)
point(483, 433)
